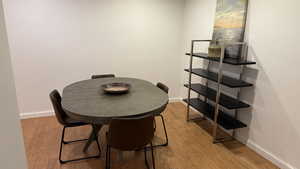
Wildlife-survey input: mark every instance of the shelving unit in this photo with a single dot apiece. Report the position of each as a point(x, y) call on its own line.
point(225, 101)
point(208, 110)
point(213, 99)
point(231, 61)
point(225, 80)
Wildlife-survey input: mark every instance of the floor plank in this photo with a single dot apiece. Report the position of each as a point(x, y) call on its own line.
point(190, 147)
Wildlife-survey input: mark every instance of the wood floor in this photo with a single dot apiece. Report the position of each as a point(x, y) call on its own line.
point(190, 147)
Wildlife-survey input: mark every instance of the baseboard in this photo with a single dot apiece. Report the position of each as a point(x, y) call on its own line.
point(36, 114)
point(172, 100)
point(269, 156)
point(266, 154)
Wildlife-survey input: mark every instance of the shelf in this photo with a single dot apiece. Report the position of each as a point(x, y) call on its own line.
point(225, 101)
point(231, 61)
point(227, 81)
point(224, 120)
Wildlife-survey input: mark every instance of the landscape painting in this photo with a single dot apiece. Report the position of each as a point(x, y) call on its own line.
point(230, 23)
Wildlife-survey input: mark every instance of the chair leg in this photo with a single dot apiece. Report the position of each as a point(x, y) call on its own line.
point(153, 160)
point(69, 142)
point(109, 162)
point(146, 161)
point(99, 149)
point(154, 123)
point(166, 134)
point(165, 130)
point(73, 141)
point(107, 157)
point(61, 144)
point(78, 159)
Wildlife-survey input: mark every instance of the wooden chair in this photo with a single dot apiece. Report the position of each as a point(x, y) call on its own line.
point(67, 122)
point(130, 134)
point(103, 76)
point(165, 89)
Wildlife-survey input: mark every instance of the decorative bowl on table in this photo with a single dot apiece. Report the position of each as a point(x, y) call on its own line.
point(116, 88)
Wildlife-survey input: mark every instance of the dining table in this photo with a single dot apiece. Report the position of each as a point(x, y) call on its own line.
point(86, 101)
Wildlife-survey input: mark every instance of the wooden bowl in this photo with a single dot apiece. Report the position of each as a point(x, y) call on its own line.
point(116, 88)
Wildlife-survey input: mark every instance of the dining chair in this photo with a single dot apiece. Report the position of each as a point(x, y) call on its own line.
point(130, 134)
point(103, 76)
point(166, 90)
point(68, 122)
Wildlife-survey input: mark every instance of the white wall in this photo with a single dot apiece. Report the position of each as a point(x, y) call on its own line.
point(273, 35)
point(57, 42)
point(12, 148)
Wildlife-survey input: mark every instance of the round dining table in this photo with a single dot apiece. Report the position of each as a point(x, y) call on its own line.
point(86, 101)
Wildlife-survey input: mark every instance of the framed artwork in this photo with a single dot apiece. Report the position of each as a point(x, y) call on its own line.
point(230, 24)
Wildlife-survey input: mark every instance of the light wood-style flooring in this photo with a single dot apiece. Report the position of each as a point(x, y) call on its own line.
point(190, 147)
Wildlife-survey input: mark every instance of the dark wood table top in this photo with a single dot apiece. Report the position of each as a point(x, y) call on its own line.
point(86, 101)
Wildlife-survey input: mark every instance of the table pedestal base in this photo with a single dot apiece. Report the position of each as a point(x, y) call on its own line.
point(93, 136)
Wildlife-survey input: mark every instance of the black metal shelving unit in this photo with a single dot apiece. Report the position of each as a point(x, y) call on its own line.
point(209, 107)
point(225, 101)
point(227, 81)
point(225, 120)
point(231, 61)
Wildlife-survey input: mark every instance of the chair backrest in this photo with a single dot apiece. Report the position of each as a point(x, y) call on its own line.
point(130, 133)
point(163, 87)
point(103, 76)
point(59, 112)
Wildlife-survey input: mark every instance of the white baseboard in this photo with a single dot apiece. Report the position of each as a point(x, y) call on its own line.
point(36, 114)
point(269, 156)
point(172, 100)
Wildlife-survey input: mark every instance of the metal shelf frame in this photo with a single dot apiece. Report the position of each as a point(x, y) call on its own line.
point(224, 45)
